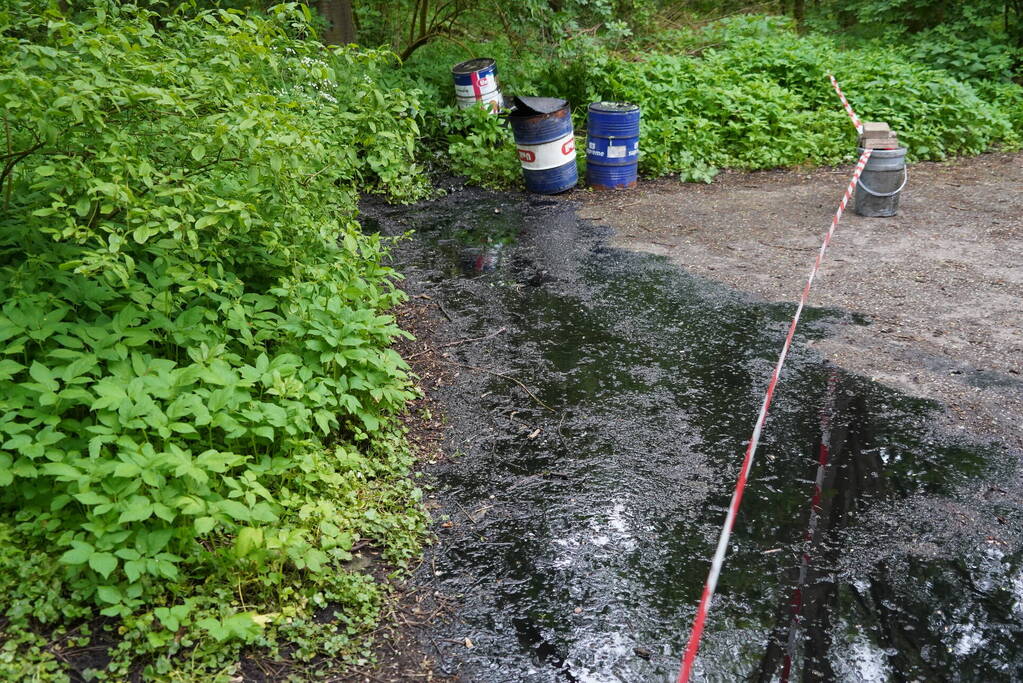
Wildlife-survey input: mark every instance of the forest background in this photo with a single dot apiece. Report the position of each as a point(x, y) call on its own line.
point(199, 399)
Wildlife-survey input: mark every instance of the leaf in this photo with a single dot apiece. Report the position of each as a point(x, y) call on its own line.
point(244, 626)
point(103, 563)
point(216, 461)
point(60, 470)
point(169, 620)
point(139, 508)
point(206, 221)
point(235, 510)
point(9, 368)
point(83, 206)
point(24, 468)
point(198, 152)
point(214, 627)
point(264, 431)
point(126, 470)
point(154, 541)
point(325, 420)
point(203, 525)
point(79, 554)
point(166, 570)
point(133, 569)
point(173, 617)
point(91, 498)
point(109, 594)
point(41, 374)
point(248, 540)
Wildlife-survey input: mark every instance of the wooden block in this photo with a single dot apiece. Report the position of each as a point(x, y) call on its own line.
point(879, 143)
point(876, 130)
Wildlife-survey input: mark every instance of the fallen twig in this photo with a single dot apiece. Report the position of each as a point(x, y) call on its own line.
point(461, 341)
point(469, 517)
point(502, 376)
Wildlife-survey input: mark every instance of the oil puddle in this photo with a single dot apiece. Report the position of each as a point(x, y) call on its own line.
point(584, 512)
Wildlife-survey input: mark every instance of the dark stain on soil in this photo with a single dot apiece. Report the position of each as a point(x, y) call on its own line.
point(597, 402)
point(942, 282)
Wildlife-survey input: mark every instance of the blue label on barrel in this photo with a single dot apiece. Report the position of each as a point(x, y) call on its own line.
point(611, 151)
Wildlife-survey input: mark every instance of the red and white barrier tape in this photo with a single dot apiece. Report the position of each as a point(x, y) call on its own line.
point(845, 103)
point(689, 658)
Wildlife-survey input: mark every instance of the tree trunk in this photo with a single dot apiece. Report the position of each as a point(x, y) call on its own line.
point(799, 12)
point(340, 21)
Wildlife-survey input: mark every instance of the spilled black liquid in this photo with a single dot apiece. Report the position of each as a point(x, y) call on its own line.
point(584, 517)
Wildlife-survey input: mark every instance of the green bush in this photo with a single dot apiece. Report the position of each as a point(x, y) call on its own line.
point(749, 92)
point(481, 147)
point(196, 383)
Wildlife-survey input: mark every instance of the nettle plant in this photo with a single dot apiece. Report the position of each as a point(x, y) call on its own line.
point(195, 372)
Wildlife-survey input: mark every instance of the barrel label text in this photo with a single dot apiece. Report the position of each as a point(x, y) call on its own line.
point(600, 149)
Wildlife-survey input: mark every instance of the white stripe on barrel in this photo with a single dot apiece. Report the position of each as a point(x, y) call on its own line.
point(548, 154)
point(491, 100)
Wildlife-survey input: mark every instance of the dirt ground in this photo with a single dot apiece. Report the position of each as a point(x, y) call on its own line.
point(941, 286)
point(941, 283)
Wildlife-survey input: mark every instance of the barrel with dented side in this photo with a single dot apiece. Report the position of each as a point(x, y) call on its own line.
point(612, 145)
point(545, 141)
point(476, 82)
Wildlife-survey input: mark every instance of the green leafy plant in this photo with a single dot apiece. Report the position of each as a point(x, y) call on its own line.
point(197, 388)
point(748, 92)
point(481, 147)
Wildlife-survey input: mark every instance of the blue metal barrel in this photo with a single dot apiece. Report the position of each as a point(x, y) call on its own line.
point(546, 143)
point(475, 82)
point(612, 145)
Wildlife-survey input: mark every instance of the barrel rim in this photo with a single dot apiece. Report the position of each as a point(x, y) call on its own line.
point(886, 153)
point(564, 112)
point(609, 107)
point(464, 68)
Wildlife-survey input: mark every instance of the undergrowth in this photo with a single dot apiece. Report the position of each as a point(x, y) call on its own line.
point(197, 389)
point(747, 92)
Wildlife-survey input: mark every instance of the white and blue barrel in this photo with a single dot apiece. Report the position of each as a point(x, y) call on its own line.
point(476, 82)
point(545, 141)
point(882, 181)
point(612, 145)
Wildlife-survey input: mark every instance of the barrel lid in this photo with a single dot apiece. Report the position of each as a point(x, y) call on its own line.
point(531, 106)
point(614, 107)
point(473, 65)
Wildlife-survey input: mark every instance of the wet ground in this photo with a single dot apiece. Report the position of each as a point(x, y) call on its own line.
point(599, 405)
point(942, 282)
